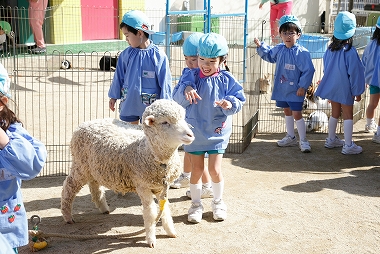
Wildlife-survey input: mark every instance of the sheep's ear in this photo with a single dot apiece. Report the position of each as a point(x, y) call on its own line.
point(149, 120)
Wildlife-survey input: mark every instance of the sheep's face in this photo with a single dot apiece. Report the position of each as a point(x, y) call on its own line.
point(164, 121)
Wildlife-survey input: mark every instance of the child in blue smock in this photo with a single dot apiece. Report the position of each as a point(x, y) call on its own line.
point(342, 82)
point(142, 71)
point(190, 51)
point(22, 157)
point(210, 96)
point(293, 75)
point(370, 57)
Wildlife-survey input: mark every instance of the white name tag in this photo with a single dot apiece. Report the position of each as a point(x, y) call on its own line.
point(291, 67)
point(148, 74)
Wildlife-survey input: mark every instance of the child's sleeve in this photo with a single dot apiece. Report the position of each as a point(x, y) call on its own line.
point(376, 74)
point(267, 53)
point(179, 90)
point(24, 156)
point(306, 67)
point(118, 78)
point(234, 94)
point(164, 77)
point(355, 70)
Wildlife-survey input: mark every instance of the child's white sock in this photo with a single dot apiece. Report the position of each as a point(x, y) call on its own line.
point(370, 121)
point(196, 192)
point(289, 123)
point(348, 128)
point(333, 122)
point(301, 128)
point(218, 190)
point(186, 174)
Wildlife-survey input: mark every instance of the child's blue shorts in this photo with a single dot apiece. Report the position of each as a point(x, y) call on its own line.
point(294, 106)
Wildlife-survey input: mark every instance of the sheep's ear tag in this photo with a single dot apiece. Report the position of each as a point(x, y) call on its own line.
point(149, 120)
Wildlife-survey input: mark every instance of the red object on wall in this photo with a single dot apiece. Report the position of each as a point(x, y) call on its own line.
point(99, 19)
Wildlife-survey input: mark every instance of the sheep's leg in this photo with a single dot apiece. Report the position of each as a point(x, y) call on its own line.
point(167, 220)
point(71, 186)
point(98, 196)
point(149, 214)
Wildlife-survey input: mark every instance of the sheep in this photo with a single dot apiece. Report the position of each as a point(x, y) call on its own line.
point(317, 121)
point(128, 158)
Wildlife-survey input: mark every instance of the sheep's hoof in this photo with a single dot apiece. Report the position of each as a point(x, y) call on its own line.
point(106, 212)
point(70, 222)
point(151, 245)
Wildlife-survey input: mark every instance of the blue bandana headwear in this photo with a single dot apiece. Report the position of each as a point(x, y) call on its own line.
point(290, 19)
point(190, 45)
point(138, 20)
point(344, 25)
point(212, 45)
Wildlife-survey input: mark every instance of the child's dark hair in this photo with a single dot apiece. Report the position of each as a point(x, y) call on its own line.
point(337, 44)
point(131, 29)
point(223, 59)
point(376, 35)
point(7, 116)
point(289, 26)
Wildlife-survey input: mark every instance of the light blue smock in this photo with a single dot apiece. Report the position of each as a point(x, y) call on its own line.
point(212, 125)
point(21, 159)
point(294, 69)
point(370, 56)
point(376, 75)
point(343, 77)
point(140, 71)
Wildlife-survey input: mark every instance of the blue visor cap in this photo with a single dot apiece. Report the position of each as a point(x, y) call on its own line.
point(212, 45)
point(190, 45)
point(5, 82)
point(290, 19)
point(344, 25)
point(138, 20)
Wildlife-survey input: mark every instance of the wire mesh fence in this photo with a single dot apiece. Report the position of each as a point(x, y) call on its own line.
point(53, 97)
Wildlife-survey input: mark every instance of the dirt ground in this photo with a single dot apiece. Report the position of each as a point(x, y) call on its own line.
point(279, 201)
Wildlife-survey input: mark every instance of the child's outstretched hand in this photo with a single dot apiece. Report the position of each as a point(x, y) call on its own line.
point(191, 95)
point(224, 104)
point(257, 42)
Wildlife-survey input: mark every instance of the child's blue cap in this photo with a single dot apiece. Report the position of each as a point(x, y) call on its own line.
point(212, 45)
point(138, 20)
point(5, 26)
point(5, 82)
point(378, 22)
point(344, 25)
point(190, 45)
point(290, 19)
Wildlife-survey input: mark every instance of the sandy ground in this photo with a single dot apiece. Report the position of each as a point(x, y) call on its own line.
point(279, 201)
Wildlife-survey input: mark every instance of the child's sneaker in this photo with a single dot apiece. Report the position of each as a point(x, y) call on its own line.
point(352, 149)
point(305, 146)
point(376, 138)
point(287, 141)
point(370, 127)
point(195, 213)
point(332, 143)
point(206, 192)
point(219, 210)
point(182, 182)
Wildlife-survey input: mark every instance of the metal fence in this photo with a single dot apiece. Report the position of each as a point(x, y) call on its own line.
point(52, 101)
